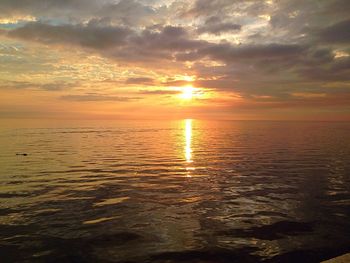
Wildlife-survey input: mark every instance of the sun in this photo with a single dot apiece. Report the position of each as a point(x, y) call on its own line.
point(187, 92)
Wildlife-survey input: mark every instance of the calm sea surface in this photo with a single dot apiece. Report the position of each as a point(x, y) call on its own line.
point(186, 191)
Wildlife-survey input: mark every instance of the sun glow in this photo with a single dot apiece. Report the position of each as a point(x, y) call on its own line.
point(187, 92)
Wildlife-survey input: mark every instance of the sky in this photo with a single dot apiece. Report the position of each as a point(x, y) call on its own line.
point(166, 59)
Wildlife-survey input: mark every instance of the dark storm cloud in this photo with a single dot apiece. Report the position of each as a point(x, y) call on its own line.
point(207, 7)
point(91, 35)
point(337, 8)
point(215, 26)
point(148, 43)
point(171, 38)
point(92, 8)
point(154, 46)
point(227, 8)
point(128, 12)
point(302, 20)
point(123, 12)
point(97, 97)
point(336, 33)
point(229, 53)
point(339, 70)
point(47, 8)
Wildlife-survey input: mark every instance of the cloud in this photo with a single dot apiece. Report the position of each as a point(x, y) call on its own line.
point(116, 42)
point(274, 61)
point(140, 81)
point(336, 33)
point(286, 47)
point(337, 71)
point(47, 8)
point(227, 52)
point(53, 86)
point(206, 7)
point(175, 83)
point(97, 97)
point(172, 38)
point(91, 35)
point(215, 26)
point(128, 12)
point(159, 92)
point(122, 12)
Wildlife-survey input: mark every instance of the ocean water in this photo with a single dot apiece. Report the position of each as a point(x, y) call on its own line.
point(177, 191)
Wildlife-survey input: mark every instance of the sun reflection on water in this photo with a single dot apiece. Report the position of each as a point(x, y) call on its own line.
point(188, 138)
point(188, 147)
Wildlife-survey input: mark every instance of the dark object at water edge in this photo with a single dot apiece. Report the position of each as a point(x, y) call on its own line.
point(22, 154)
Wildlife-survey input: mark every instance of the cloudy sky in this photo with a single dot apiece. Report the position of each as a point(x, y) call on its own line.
point(223, 59)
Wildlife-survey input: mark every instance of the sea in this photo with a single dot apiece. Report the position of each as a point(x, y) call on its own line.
point(175, 191)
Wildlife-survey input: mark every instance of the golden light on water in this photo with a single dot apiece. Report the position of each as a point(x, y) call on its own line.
point(188, 140)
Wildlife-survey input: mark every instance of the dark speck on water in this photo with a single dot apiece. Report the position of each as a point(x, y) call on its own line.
point(188, 191)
